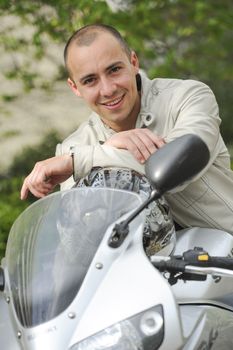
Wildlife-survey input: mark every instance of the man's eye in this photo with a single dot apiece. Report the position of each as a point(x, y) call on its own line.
point(89, 81)
point(115, 69)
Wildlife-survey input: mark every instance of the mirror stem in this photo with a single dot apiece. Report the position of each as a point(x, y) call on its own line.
point(121, 230)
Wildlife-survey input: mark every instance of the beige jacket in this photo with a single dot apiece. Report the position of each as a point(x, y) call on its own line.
point(170, 108)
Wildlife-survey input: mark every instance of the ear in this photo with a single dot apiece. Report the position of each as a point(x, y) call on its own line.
point(73, 87)
point(134, 61)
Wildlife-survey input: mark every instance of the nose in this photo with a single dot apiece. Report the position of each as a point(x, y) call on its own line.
point(107, 87)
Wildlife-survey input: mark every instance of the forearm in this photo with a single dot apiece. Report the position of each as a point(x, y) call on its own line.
point(87, 157)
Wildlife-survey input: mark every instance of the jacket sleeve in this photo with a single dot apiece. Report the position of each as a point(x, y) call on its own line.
point(195, 111)
point(89, 153)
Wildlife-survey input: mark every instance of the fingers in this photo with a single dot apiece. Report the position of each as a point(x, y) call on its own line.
point(157, 140)
point(139, 148)
point(24, 191)
point(37, 182)
point(141, 143)
point(36, 185)
point(147, 144)
point(46, 175)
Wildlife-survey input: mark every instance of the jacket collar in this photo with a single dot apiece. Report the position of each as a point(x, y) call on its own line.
point(148, 92)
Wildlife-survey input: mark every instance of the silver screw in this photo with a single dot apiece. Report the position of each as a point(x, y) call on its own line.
point(71, 315)
point(99, 266)
point(19, 334)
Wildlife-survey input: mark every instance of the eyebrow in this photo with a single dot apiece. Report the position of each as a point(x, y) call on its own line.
point(92, 75)
point(113, 65)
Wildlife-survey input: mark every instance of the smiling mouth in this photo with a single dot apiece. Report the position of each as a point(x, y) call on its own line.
point(114, 102)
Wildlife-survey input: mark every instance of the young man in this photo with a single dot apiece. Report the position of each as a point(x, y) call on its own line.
point(133, 117)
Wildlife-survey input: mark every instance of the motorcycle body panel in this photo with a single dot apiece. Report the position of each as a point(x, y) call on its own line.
point(215, 290)
point(131, 286)
point(206, 327)
point(117, 284)
point(8, 339)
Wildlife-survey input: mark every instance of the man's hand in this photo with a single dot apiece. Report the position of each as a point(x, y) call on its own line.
point(46, 175)
point(141, 143)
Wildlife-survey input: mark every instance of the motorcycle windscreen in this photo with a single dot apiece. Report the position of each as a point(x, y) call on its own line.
point(52, 244)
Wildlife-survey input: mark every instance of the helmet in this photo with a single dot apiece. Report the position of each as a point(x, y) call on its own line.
point(159, 229)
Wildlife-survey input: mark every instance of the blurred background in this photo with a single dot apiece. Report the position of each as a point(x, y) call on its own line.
point(172, 38)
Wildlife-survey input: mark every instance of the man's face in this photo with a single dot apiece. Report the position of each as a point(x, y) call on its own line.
point(104, 77)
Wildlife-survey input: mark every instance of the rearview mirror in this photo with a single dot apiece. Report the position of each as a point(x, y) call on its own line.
point(176, 162)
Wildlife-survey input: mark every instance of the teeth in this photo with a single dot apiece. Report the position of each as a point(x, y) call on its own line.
point(114, 102)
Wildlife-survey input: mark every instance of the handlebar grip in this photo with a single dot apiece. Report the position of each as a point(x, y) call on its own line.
point(170, 265)
point(178, 265)
point(2, 280)
point(221, 262)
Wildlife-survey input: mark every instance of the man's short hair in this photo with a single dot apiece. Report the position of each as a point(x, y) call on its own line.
point(87, 34)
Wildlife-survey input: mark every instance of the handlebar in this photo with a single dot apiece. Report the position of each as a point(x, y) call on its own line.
point(194, 264)
point(199, 257)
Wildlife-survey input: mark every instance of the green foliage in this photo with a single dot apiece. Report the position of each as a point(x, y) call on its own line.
point(173, 38)
point(10, 204)
point(25, 161)
point(10, 207)
point(8, 98)
point(9, 133)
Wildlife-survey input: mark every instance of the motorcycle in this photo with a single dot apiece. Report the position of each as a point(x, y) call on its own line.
point(76, 275)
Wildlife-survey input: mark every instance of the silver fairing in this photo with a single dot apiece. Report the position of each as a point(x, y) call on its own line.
point(215, 290)
point(206, 307)
point(206, 327)
point(64, 283)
